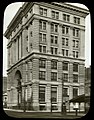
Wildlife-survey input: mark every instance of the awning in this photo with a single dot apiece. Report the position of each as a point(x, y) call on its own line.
point(80, 98)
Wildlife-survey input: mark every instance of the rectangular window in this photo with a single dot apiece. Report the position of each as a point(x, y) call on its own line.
point(66, 42)
point(65, 66)
point(63, 41)
point(74, 54)
point(75, 67)
point(45, 12)
point(56, 28)
point(56, 50)
point(63, 52)
point(53, 76)
point(75, 92)
point(67, 30)
point(76, 20)
point(65, 77)
point(44, 49)
point(73, 32)
point(52, 39)
point(42, 63)
point(77, 33)
point(41, 94)
point(42, 75)
point(53, 94)
point(77, 44)
point(56, 39)
point(44, 37)
point(40, 37)
point(40, 24)
point(44, 25)
point(40, 48)
point(53, 64)
point(57, 15)
point(73, 43)
point(53, 14)
point(65, 92)
point(52, 50)
point(52, 27)
point(41, 11)
point(66, 52)
point(66, 17)
point(63, 30)
point(75, 78)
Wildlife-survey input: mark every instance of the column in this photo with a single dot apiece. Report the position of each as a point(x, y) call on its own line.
point(59, 97)
point(48, 97)
point(16, 49)
point(48, 69)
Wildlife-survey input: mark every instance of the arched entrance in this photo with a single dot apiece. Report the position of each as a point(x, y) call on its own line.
point(18, 79)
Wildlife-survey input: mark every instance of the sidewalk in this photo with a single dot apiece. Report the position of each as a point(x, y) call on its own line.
point(36, 114)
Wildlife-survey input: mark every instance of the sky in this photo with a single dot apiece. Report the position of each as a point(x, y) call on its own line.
point(10, 12)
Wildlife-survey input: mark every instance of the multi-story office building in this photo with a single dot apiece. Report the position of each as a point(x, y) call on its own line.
point(87, 87)
point(46, 45)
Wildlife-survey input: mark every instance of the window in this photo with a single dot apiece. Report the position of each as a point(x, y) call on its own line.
point(75, 78)
point(44, 49)
point(41, 94)
point(75, 54)
point(63, 52)
point(52, 50)
point(53, 64)
point(75, 67)
point(42, 25)
point(43, 11)
point(73, 43)
point(53, 76)
point(63, 41)
point(42, 63)
point(56, 39)
point(65, 77)
point(65, 92)
point(53, 94)
point(66, 17)
point(66, 52)
point(54, 27)
point(42, 75)
point(40, 37)
point(55, 50)
point(40, 48)
point(52, 39)
point(76, 20)
point(77, 44)
point(65, 30)
point(75, 32)
point(55, 15)
point(75, 92)
point(65, 66)
point(44, 37)
point(66, 42)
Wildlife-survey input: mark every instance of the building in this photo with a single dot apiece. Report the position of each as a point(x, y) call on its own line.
point(46, 45)
point(87, 86)
point(4, 91)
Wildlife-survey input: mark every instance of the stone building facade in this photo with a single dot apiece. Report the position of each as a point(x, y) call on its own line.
point(46, 44)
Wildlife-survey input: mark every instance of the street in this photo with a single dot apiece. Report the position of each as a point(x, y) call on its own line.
point(29, 114)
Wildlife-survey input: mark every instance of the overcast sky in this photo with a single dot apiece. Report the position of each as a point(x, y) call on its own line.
point(10, 12)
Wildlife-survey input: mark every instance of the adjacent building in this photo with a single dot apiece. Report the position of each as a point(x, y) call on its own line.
point(5, 91)
point(87, 86)
point(46, 45)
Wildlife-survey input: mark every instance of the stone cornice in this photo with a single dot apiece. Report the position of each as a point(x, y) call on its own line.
point(58, 6)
